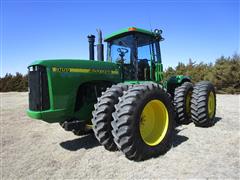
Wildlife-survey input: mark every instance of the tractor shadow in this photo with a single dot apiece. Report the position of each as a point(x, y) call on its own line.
point(216, 119)
point(83, 142)
point(178, 139)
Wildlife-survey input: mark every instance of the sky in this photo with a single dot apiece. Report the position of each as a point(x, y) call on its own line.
point(202, 30)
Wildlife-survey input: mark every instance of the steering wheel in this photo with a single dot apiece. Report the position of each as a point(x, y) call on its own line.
point(122, 51)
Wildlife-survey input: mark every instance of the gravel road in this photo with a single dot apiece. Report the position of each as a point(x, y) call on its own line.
point(32, 149)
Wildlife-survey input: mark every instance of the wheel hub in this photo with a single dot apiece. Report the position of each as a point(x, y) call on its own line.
point(154, 122)
point(211, 105)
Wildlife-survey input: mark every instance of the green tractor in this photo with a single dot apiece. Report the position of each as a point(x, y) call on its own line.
point(124, 100)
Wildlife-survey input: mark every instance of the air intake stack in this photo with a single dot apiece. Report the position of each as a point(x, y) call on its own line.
point(91, 40)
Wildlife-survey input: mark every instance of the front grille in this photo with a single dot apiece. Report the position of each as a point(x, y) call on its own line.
point(38, 88)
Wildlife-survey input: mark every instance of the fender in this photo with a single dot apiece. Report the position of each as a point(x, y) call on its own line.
point(176, 81)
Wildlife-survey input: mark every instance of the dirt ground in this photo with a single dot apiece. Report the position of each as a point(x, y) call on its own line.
point(34, 149)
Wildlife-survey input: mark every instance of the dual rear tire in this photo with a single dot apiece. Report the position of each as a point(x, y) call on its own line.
point(195, 103)
point(203, 104)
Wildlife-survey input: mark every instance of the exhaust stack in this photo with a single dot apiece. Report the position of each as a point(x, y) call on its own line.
point(91, 40)
point(100, 47)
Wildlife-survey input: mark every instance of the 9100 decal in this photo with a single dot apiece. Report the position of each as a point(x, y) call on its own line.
point(80, 70)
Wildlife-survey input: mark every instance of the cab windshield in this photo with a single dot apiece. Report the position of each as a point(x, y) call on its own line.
point(130, 48)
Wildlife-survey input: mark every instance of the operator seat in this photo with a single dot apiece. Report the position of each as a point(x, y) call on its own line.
point(143, 70)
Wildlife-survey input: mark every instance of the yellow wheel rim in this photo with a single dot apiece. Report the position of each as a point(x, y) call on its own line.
point(188, 103)
point(211, 105)
point(154, 122)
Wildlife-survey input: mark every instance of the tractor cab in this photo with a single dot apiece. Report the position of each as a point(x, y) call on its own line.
point(137, 51)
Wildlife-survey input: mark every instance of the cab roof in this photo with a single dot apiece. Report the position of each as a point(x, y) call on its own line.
point(127, 31)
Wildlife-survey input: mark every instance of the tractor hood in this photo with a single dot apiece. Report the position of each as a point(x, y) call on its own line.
point(73, 65)
point(56, 87)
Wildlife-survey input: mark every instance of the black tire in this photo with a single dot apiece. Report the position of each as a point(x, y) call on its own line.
point(200, 113)
point(127, 118)
point(182, 97)
point(102, 115)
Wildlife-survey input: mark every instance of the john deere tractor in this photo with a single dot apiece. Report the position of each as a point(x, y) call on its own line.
point(124, 99)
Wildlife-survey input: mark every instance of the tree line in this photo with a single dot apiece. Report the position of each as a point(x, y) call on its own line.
point(17, 82)
point(224, 73)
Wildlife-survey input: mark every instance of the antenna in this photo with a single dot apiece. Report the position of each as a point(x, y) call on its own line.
point(150, 23)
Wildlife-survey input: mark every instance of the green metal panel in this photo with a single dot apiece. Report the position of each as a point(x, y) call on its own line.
point(126, 30)
point(159, 72)
point(178, 79)
point(175, 81)
point(64, 79)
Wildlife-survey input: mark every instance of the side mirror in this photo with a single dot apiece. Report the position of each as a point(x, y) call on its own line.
point(158, 31)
